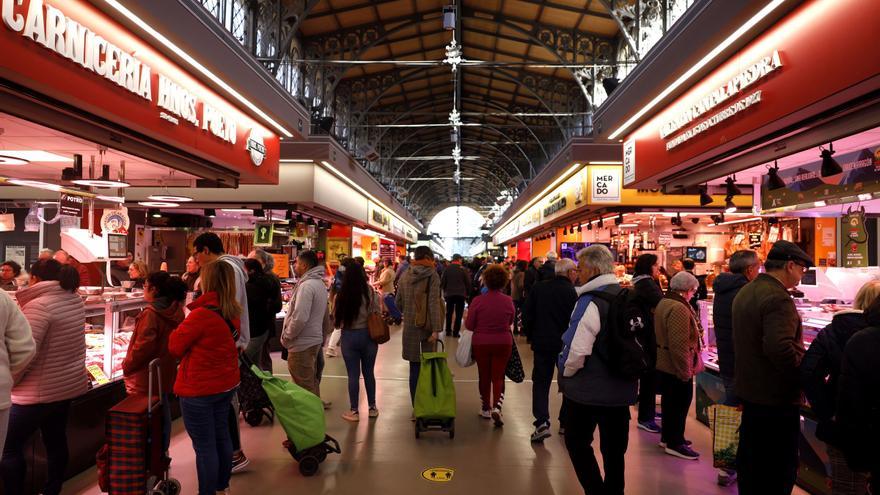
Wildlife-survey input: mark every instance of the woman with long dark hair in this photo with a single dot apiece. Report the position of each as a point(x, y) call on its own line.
point(44, 390)
point(646, 295)
point(354, 303)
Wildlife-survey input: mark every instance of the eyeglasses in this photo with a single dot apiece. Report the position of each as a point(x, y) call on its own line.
point(803, 266)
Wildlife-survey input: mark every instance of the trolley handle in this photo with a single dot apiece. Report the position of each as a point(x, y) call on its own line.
point(154, 366)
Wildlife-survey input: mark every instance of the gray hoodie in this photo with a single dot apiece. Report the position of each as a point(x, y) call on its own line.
point(304, 323)
point(241, 278)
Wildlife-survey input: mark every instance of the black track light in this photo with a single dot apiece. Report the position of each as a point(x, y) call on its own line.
point(589, 225)
point(732, 189)
point(774, 181)
point(552, 233)
point(260, 213)
point(310, 221)
point(678, 219)
point(210, 212)
point(579, 228)
point(695, 220)
point(565, 230)
point(829, 165)
point(300, 218)
point(619, 219)
point(288, 215)
point(154, 213)
point(601, 224)
point(705, 199)
point(729, 207)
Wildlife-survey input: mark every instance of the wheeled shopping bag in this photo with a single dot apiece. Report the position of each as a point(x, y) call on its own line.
point(434, 405)
point(724, 421)
point(254, 402)
point(134, 459)
point(301, 414)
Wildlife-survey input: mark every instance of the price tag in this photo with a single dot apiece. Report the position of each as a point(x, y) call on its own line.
point(98, 374)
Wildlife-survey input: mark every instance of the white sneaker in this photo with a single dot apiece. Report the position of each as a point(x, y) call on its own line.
point(486, 414)
point(352, 416)
point(497, 417)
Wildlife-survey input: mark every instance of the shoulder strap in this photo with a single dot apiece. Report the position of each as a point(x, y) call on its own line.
point(232, 329)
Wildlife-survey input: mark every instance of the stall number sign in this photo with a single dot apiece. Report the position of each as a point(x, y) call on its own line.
point(71, 205)
point(605, 184)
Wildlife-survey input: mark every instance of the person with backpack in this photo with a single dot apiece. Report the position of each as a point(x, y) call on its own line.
point(678, 361)
point(595, 392)
point(205, 344)
point(858, 405)
point(820, 375)
point(546, 315)
point(644, 296)
point(354, 303)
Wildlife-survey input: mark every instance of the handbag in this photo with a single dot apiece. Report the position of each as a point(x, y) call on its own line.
point(464, 355)
point(724, 421)
point(379, 331)
point(514, 369)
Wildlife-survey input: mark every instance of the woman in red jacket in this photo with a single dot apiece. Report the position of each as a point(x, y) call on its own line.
point(149, 341)
point(208, 374)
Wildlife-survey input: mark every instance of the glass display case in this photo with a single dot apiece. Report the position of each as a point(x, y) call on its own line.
point(110, 320)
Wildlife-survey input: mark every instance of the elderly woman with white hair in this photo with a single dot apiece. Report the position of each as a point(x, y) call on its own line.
point(679, 345)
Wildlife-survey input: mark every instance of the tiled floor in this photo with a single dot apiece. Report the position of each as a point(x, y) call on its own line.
point(382, 455)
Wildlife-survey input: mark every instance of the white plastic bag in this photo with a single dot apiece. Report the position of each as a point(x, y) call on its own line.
point(463, 355)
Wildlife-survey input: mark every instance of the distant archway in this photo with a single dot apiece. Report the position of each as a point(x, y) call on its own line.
point(459, 230)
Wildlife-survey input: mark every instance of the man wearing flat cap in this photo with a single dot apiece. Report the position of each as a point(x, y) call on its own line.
point(768, 340)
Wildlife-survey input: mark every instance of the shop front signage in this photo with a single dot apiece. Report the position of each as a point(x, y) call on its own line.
point(568, 196)
point(71, 205)
point(782, 72)
point(556, 205)
point(378, 217)
point(805, 186)
point(387, 250)
point(96, 64)
point(605, 184)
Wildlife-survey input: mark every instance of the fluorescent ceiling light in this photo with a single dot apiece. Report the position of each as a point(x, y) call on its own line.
point(237, 210)
point(158, 204)
point(111, 199)
point(195, 64)
point(820, 204)
point(169, 197)
point(432, 157)
point(34, 183)
point(35, 156)
point(11, 160)
point(610, 162)
point(770, 7)
point(100, 183)
point(742, 220)
point(296, 160)
point(865, 197)
point(437, 178)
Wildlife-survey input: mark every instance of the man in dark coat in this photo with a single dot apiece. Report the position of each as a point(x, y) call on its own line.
point(455, 283)
point(768, 338)
point(545, 318)
point(547, 270)
point(531, 277)
point(744, 266)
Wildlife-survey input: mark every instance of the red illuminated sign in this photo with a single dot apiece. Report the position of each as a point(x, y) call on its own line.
point(820, 49)
point(70, 51)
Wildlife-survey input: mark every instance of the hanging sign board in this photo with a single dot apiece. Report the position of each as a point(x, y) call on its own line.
point(263, 234)
point(282, 265)
point(387, 251)
point(855, 240)
point(605, 184)
point(71, 205)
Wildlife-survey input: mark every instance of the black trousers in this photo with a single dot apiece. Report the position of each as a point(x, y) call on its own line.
point(648, 395)
point(24, 421)
point(454, 304)
point(675, 403)
point(580, 424)
point(542, 379)
point(767, 459)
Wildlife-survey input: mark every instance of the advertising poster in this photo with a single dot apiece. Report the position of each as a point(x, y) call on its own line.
point(263, 233)
point(855, 240)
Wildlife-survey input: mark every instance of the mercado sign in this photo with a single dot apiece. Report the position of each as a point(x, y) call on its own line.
point(97, 65)
point(781, 73)
point(805, 186)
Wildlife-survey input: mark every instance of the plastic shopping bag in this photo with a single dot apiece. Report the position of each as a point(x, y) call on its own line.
point(464, 354)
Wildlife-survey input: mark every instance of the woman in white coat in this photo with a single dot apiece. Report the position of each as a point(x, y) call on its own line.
point(16, 351)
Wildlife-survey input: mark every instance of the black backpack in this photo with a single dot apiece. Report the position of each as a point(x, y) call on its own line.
point(619, 342)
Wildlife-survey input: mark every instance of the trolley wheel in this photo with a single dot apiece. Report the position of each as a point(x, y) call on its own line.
point(308, 465)
point(253, 417)
point(169, 487)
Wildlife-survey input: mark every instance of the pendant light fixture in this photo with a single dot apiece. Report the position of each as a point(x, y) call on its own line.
point(729, 207)
point(102, 182)
point(829, 165)
point(732, 188)
point(210, 212)
point(774, 181)
point(579, 228)
point(705, 199)
point(601, 225)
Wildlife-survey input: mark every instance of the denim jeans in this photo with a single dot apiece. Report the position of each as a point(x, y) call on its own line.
point(24, 421)
point(359, 353)
point(205, 419)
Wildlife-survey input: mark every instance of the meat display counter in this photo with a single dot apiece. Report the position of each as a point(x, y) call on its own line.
point(108, 329)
